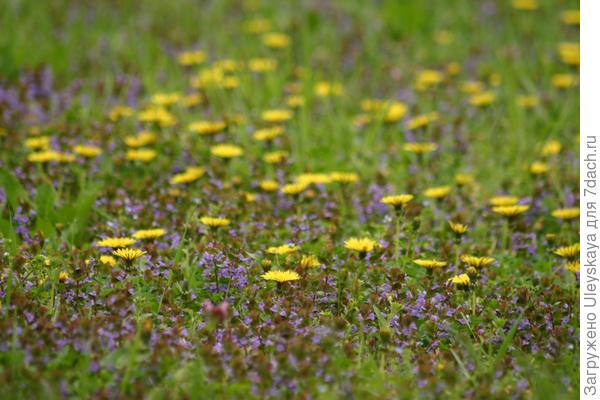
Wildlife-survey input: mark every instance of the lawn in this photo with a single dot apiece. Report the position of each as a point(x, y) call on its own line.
point(338, 199)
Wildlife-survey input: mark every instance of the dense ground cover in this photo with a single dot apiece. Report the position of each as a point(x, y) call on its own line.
point(306, 199)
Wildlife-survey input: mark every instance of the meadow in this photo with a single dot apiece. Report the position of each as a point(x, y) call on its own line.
point(252, 199)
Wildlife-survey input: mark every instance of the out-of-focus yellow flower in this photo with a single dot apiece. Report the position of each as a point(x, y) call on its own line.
point(458, 228)
point(257, 25)
point(571, 251)
point(165, 99)
point(189, 58)
point(276, 116)
point(129, 254)
point(525, 5)
point(226, 151)
point(283, 249)
point(309, 261)
point(462, 179)
point(477, 262)
point(538, 168)
point(482, 99)
point(293, 189)
point(262, 64)
point(36, 143)
point(207, 127)
point(460, 281)
point(115, 242)
point(422, 120)
point(118, 112)
point(427, 79)
point(144, 155)
point(275, 157)
point(158, 115)
point(266, 134)
point(528, 101)
point(142, 139)
point(443, 37)
point(471, 87)
point(269, 186)
point(502, 201)
point(437, 192)
point(50, 156)
point(87, 151)
point(295, 101)
point(570, 17)
point(420, 148)
point(566, 213)
point(326, 89)
point(551, 148)
point(276, 40)
point(563, 81)
point(214, 222)
point(569, 53)
point(343, 177)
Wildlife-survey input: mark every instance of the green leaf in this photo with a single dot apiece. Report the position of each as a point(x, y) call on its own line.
point(13, 188)
point(9, 236)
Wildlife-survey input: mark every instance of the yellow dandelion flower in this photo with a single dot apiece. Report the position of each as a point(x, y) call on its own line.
point(573, 266)
point(115, 242)
point(295, 101)
point(165, 99)
point(269, 186)
point(427, 79)
point(108, 260)
point(503, 201)
point(471, 87)
point(275, 157)
point(276, 116)
point(87, 151)
point(293, 189)
point(157, 115)
point(527, 101)
point(226, 151)
point(257, 25)
point(477, 262)
point(397, 200)
point(128, 254)
point(192, 99)
point(551, 148)
point(283, 249)
point(563, 81)
point(276, 40)
point(429, 263)
point(422, 120)
point(463, 179)
point(142, 139)
point(569, 52)
point(360, 245)
point(510, 211)
point(262, 64)
point(453, 68)
point(437, 192)
point(525, 5)
point(566, 213)
point(461, 280)
point(538, 168)
point(570, 17)
point(191, 174)
point(280, 276)
point(144, 155)
point(571, 251)
point(482, 99)
point(420, 148)
point(119, 112)
point(458, 228)
point(63, 276)
point(190, 58)
point(214, 222)
point(207, 127)
point(50, 156)
point(309, 261)
point(326, 89)
point(249, 197)
point(344, 177)
point(268, 133)
point(37, 143)
point(394, 111)
point(149, 233)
